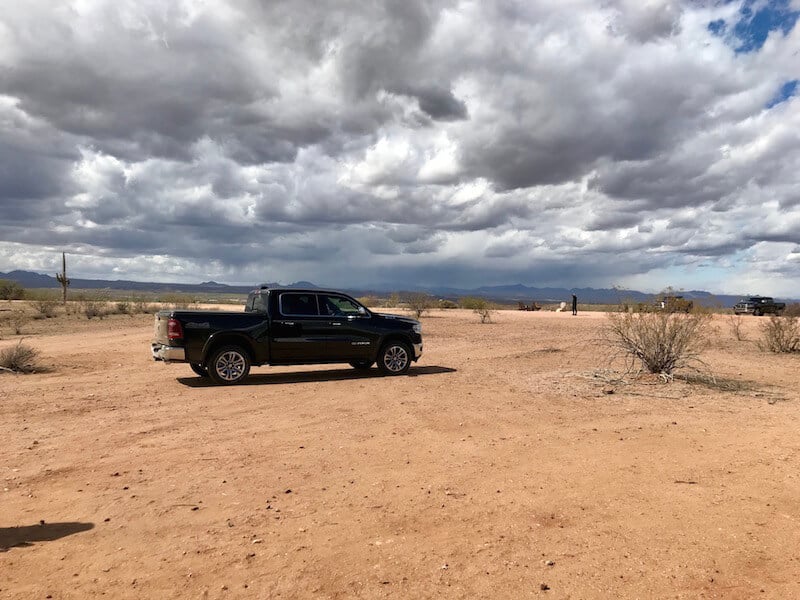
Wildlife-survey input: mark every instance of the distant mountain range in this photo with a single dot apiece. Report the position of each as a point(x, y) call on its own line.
point(502, 293)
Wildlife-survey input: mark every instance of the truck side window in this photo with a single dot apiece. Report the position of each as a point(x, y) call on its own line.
point(299, 305)
point(337, 305)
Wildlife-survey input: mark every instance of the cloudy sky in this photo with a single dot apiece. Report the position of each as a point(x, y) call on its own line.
point(641, 143)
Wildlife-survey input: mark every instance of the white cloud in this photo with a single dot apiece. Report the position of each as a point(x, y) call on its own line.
point(455, 140)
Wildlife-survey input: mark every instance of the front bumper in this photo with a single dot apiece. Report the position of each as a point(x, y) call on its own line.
point(417, 351)
point(167, 353)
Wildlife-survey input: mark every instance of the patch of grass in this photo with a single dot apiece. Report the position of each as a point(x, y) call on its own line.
point(20, 359)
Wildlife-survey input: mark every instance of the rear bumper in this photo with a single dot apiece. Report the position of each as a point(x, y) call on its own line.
point(167, 353)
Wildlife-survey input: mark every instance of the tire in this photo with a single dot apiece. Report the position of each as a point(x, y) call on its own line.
point(229, 365)
point(757, 312)
point(394, 358)
point(199, 369)
point(362, 365)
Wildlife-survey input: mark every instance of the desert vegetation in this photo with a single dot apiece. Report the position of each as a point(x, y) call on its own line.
point(781, 334)
point(660, 342)
point(20, 358)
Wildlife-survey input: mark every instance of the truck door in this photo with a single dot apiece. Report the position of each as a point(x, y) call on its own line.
point(348, 335)
point(297, 333)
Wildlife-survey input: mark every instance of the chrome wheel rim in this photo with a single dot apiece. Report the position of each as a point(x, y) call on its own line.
point(230, 366)
point(395, 359)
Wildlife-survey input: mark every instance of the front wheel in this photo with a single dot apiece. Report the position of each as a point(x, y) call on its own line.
point(199, 369)
point(757, 312)
point(394, 358)
point(362, 365)
point(229, 365)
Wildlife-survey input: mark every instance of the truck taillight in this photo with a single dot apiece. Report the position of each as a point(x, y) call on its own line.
point(174, 329)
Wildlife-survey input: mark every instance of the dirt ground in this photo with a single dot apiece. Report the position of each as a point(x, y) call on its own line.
point(504, 466)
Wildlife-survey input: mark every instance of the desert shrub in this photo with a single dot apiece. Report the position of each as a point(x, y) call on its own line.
point(661, 342)
point(11, 290)
point(94, 309)
point(178, 300)
point(142, 306)
point(73, 308)
point(480, 306)
point(46, 308)
point(419, 303)
point(393, 301)
point(18, 320)
point(780, 334)
point(123, 307)
point(447, 304)
point(19, 359)
point(471, 302)
point(792, 310)
point(368, 300)
point(735, 324)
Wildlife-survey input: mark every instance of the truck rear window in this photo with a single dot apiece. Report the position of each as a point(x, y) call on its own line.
point(302, 305)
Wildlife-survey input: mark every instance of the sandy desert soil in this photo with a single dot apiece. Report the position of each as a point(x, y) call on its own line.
point(503, 466)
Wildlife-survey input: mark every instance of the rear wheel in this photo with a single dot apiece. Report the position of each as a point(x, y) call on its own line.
point(199, 369)
point(229, 365)
point(362, 365)
point(394, 358)
point(757, 312)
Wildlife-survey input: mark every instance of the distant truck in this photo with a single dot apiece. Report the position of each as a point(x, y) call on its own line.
point(286, 326)
point(757, 306)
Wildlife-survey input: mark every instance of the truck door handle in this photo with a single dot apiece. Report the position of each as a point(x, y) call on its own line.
point(288, 322)
point(335, 324)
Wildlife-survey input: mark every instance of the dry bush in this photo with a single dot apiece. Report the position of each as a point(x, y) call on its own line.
point(661, 342)
point(73, 308)
point(18, 320)
point(19, 359)
point(792, 310)
point(179, 301)
point(735, 323)
point(94, 309)
point(480, 306)
point(46, 308)
point(780, 334)
point(369, 300)
point(419, 303)
point(142, 306)
point(123, 308)
point(11, 290)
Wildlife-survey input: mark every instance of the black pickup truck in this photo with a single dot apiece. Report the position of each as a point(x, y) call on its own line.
point(757, 306)
point(286, 326)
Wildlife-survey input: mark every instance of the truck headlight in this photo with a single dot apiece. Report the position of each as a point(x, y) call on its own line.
point(418, 328)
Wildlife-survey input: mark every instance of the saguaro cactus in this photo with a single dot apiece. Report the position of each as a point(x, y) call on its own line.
point(62, 277)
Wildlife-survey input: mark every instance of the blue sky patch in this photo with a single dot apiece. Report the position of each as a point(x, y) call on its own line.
point(787, 90)
point(756, 23)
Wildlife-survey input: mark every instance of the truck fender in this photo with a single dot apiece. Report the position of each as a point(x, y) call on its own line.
point(227, 338)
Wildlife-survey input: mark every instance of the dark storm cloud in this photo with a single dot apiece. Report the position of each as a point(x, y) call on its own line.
point(441, 139)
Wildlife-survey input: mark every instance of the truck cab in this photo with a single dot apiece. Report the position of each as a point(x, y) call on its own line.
point(287, 326)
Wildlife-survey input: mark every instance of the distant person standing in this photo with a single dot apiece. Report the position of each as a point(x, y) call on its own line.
point(574, 305)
